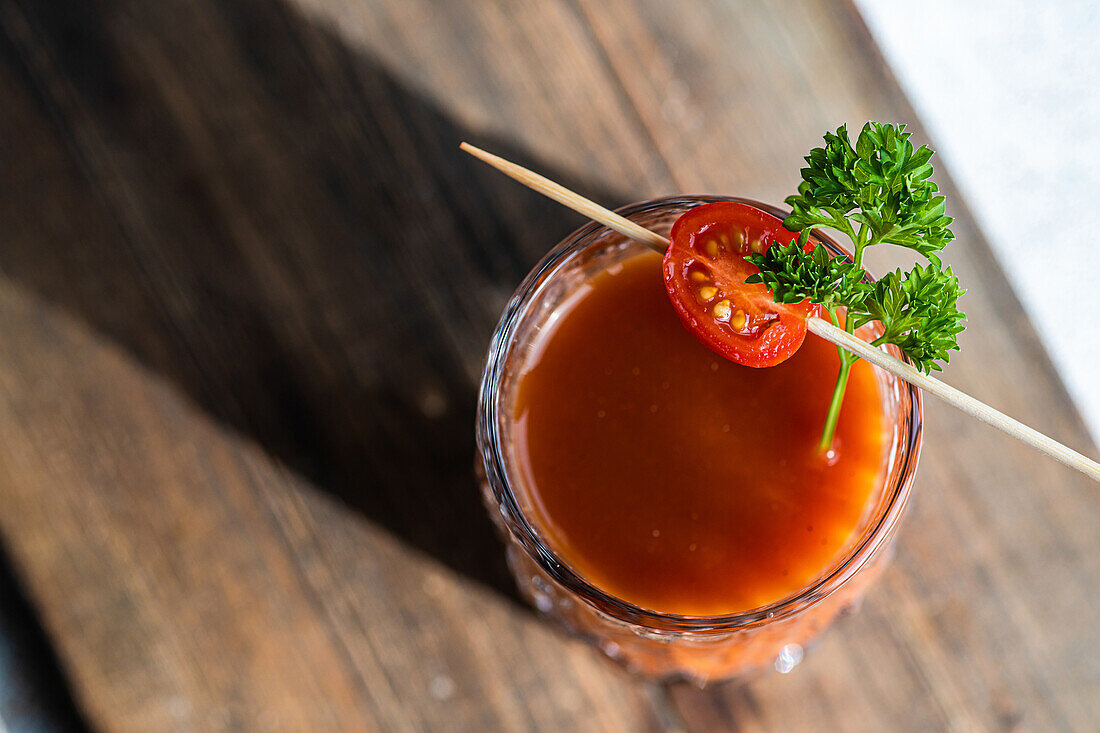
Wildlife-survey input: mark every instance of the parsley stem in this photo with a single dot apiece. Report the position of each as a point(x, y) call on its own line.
point(833, 415)
point(846, 361)
point(859, 245)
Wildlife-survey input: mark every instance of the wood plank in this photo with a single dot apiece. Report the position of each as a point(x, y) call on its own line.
point(237, 361)
point(238, 383)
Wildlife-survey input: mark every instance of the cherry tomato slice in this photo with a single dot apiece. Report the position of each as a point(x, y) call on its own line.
point(705, 271)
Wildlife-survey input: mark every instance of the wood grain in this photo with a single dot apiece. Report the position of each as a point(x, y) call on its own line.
point(246, 285)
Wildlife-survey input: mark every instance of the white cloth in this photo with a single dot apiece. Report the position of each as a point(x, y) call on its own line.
point(1010, 92)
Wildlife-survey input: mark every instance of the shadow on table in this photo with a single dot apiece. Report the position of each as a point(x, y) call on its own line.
point(272, 220)
point(34, 695)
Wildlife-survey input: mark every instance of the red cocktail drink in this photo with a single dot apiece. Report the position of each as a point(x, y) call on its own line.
point(666, 503)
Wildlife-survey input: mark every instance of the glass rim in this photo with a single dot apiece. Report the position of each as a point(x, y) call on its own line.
point(881, 525)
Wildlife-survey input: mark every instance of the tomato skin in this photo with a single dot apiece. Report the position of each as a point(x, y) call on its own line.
point(705, 271)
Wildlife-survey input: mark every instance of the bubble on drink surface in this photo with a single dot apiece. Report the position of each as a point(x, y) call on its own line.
point(788, 659)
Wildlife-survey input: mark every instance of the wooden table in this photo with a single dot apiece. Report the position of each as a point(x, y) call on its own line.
point(246, 284)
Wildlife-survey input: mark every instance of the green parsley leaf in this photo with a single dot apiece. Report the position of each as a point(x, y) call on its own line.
point(794, 276)
point(877, 191)
point(919, 313)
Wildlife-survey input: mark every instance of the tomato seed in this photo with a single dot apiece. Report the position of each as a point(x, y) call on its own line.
point(707, 292)
point(739, 238)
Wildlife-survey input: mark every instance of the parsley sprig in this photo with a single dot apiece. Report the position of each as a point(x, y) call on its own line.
point(878, 191)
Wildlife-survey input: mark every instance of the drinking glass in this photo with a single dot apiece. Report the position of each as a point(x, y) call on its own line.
point(700, 648)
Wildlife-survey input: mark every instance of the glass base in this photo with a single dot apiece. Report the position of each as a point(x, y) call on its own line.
point(700, 657)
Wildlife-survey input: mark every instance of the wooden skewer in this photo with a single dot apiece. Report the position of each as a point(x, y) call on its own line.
point(817, 326)
point(571, 200)
point(955, 397)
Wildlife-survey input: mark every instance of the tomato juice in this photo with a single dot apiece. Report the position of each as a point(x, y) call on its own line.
point(677, 480)
point(661, 501)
